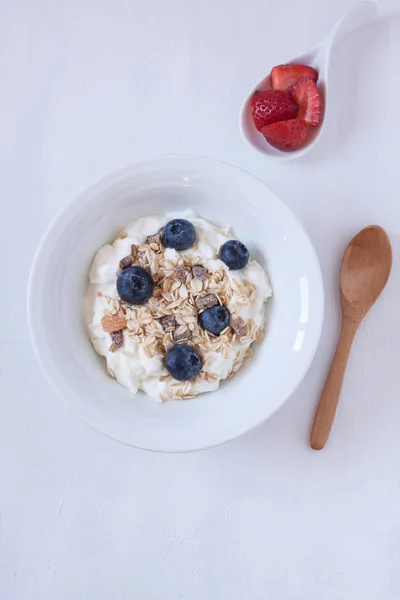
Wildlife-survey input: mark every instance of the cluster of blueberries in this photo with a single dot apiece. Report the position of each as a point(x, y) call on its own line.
point(136, 286)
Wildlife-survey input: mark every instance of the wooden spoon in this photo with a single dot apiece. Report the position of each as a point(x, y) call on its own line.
point(365, 270)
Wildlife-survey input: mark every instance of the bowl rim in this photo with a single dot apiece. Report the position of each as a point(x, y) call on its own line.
point(101, 184)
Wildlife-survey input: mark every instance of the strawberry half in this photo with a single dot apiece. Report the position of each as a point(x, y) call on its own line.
point(307, 96)
point(283, 77)
point(271, 106)
point(286, 135)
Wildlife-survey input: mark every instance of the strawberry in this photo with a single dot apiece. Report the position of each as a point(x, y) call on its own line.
point(271, 106)
point(307, 96)
point(283, 77)
point(286, 135)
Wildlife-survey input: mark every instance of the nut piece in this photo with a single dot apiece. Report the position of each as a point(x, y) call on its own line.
point(239, 326)
point(134, 251)
point(206, 301)
point(181, 273)
point(154, 239)
point(112, 323)
point(126, 262)
point(117, 338)
point(168, 323)
point(199, 272)
point(182, 333)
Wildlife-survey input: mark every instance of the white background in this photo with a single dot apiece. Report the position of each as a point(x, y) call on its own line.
point(87, 87)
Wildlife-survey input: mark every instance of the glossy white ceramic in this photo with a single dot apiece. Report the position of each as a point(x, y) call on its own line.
point(222, 194)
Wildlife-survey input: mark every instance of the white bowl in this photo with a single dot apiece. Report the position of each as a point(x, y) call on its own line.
point(224, 195)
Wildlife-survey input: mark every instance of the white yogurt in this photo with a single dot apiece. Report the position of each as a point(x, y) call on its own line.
point(130, 365)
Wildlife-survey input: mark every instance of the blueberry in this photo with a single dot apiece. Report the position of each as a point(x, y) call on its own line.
point(135, 285)
point(234, 254)
point(183, 362)
point(178, 234)
point(215, 319)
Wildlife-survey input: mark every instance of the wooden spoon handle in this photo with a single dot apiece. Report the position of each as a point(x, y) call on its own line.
point(330, 396)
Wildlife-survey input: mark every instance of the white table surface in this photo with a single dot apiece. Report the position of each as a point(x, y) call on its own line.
point(87, 87)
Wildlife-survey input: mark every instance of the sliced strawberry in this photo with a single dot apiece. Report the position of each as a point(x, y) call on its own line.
point(271, 106)
point(286, 135)
point(307, 96)
point(283, 77)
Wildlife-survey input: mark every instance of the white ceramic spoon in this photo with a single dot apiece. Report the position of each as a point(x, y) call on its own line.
point(359, 15)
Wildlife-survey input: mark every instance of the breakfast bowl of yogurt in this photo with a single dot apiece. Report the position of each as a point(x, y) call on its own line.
point(175, 304)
